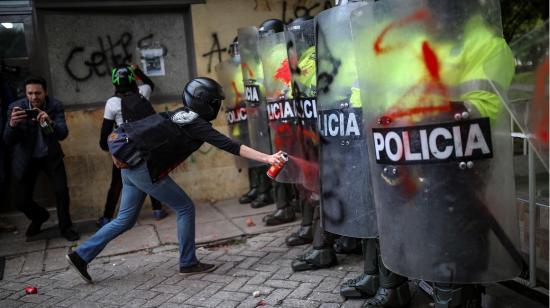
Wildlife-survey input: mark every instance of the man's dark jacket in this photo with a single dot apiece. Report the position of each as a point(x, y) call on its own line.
point(21, 139)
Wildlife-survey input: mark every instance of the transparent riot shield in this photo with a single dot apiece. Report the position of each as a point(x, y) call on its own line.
point(527, 97)
point(302, 61)
point(252, 72)
point(439, 138)
point(346, 193)
point(281, 111)
point(230, 77)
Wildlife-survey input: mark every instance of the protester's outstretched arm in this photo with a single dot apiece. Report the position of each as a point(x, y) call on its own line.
point(250, 153)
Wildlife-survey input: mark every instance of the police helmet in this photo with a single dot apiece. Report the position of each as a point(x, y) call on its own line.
point(123, 76)
point(272, 25)
point(204, 96)
point(233, 49)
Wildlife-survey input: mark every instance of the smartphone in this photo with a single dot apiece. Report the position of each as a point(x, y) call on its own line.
point(31, 113)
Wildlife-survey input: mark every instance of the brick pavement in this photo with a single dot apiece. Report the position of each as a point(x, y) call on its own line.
point(150, 278)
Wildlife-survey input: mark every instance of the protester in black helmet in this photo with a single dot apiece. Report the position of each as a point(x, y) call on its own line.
point(130, 103)
point(147, 150)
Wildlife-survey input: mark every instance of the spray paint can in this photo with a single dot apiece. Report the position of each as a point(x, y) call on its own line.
point(275, 169)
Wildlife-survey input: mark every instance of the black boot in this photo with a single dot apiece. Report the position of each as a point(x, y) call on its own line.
point(322, 254)
point(457, 296)
point(347, 245)
point(265, 196)
point(253, 182)
point(394, 289)
point(304, 235)
point(366, 284)
point(390, 298)
point(315, 259)
point(280, 216)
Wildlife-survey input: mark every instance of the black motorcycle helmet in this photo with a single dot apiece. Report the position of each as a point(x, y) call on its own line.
point(204, 96)
point(124, 79)
point(272, 25)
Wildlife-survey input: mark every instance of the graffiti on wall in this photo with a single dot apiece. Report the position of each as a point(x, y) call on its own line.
point(306, 9)
point(108, 53)
point(214, 49)
point(291, 9)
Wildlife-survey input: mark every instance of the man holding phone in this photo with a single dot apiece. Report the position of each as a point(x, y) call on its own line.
point(36, 125)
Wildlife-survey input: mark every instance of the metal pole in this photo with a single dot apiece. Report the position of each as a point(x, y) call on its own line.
point(532, 219)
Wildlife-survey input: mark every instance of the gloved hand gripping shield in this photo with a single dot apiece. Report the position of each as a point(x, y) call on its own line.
point(346, 193)
point(302, 61)
point(439, 138)
point(231, 79)
point(527, 98)
point(252, 72)
point(283, 121)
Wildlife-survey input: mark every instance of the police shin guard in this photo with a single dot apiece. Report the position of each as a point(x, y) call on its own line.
point(393, 291)
point(304, 235)
point(347, 245)
point(455, 296)
point(253, 179)
point(366, 284)
point(264, 196)
point(322, 254)
point(284, 212)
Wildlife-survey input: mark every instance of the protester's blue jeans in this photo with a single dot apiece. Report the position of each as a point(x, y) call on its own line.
point(136, 185)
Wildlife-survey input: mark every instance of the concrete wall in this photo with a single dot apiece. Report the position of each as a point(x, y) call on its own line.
point(207, 175)
point(82, 48)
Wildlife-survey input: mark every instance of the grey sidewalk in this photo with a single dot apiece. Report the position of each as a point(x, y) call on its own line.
point(214, 222)
point(141, 270)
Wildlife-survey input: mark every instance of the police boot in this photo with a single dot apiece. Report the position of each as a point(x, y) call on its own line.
point(264, 196)
point(322, 254)
point(315, 259)
point(304, 235)
point(394, 289)
point(366, 284)
point(280, 216)
point(465, 296)
point(347, 245)
point(253, 181)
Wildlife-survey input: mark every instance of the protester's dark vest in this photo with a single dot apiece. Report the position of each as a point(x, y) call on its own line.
point(134, 107)
point(163, 144)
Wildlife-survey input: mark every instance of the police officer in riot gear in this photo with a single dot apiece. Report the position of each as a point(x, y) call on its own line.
point(230, 76)
point(347, 200)
point(285, 193)
point(148, 150)
point(445, 209)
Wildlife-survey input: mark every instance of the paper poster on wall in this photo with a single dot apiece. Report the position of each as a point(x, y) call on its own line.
point(152, 61)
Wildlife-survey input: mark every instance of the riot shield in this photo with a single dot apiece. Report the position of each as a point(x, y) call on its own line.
point(281, 111)
point(230, 77)
point(439, 138)
point(346, 193)
point(527, 97)
point(302, 61)
point(252, 72)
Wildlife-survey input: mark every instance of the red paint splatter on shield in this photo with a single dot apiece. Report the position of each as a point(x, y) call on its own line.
point(283, 72)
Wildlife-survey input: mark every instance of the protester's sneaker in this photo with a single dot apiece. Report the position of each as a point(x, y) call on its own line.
point(70, 235)
point(102, 221)
point(198, 269)
point(79, 265)
point(159, 214)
